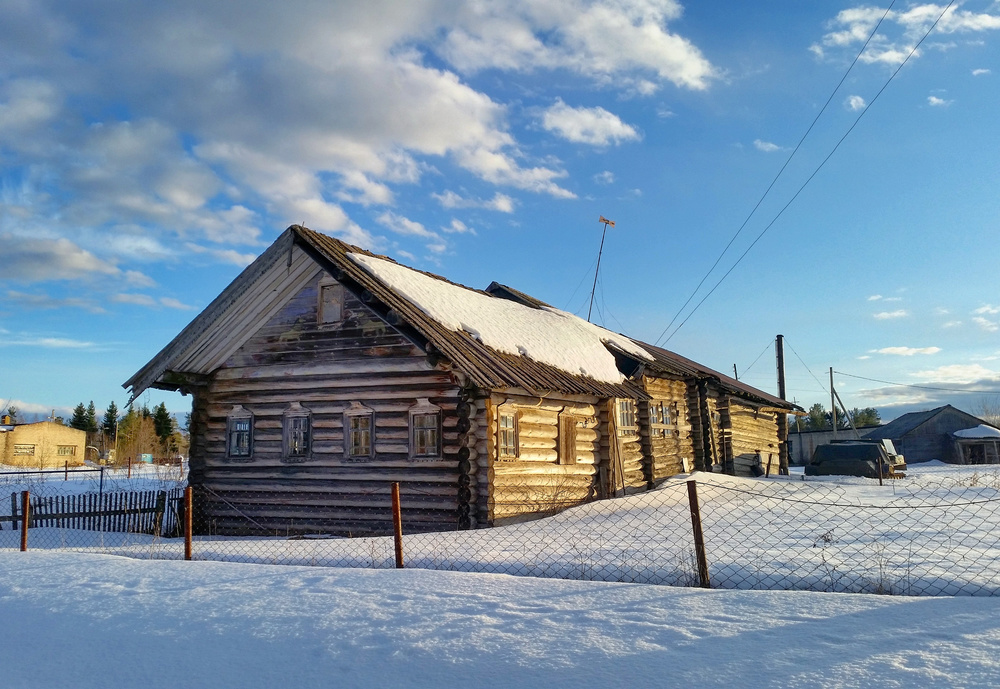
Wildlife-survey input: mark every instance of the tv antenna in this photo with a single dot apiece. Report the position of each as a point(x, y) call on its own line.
point(599, 252)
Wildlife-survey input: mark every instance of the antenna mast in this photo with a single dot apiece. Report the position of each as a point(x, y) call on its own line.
point(599, 252)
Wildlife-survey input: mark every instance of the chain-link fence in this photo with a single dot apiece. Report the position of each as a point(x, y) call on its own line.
point(924, 535)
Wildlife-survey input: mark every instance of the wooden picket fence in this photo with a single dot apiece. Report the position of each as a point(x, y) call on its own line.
point(151, 512)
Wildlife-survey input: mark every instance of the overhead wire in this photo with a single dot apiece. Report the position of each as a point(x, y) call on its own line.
point(780, 171)
point(920, 387)
point(814, 173)
point(769, 345)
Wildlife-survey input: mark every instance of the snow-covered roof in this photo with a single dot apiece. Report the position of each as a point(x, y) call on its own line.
point(546, 335)
point(980, 431)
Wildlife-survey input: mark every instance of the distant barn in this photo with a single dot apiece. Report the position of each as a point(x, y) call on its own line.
point(945, 433)
point(324, 372)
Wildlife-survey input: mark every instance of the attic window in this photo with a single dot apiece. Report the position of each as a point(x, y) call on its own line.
point(331, 303)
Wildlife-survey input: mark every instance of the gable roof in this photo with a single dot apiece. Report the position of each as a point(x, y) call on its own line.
point(906, 423)
point(264, 286)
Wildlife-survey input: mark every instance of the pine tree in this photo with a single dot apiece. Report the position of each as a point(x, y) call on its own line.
point(110, 424)
point(91, 418)
point(163, 422)
point(79, 419)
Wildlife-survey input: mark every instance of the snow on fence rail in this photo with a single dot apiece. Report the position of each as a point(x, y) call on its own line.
point(937, 536)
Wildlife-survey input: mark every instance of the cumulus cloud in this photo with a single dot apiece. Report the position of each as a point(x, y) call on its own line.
point(875, 297)
point(986, 324)
point(938, 102)
point(766, 146)
point(595, 126)
point(899, 31)
point(960, 374)
point(855, 103)
point(222, 255)
point(45, 301)
point(499, 202)
point(458, 227)
point(988, 309)
point(606, 177)
point(951, 324)
point(35, 260)
point(981, 72)
point(907, 351)
point(887, 315)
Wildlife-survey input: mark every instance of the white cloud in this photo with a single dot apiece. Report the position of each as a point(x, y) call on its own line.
point(172, 303)
point(907, 351)
point(938, 102)
point(886, 315)
point(45, 342)
point(855, 103)
point(595, 126)
point(900, 30)
point(988, 309)
point(404, 226)
point(960, 374)
point(875, 297)
point(951, 324)
point(606, 177)
point(458, 227)
point(135, 299)
point(980, 72)
point(986, 324)
point(44, 301)
point(610, 41)
point(499, 202)
point(766, 146)
point(223, 255)
point(35, 260)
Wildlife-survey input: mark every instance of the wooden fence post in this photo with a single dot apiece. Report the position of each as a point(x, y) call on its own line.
point(25, 518)
point(397, 524)
point(188, 530)
point(699, 537)
point(161, 508)
point(66, 470)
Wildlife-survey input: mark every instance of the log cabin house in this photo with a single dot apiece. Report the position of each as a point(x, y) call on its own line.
point(324, 372)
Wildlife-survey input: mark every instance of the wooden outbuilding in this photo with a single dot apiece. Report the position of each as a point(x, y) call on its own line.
point(324, 372)
point(925, 435)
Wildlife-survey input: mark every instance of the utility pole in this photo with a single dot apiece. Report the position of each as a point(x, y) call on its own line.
point(599, 252)
point(833, 405)
point(735, 374)
point(779, 355)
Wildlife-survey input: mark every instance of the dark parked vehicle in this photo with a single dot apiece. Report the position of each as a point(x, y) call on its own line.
point(857, 458)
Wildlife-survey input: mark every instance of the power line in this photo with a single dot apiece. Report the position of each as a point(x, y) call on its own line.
point(813, 175)
point(921, 387)
point(769, 345)
point(777, 176)
point(824, 387)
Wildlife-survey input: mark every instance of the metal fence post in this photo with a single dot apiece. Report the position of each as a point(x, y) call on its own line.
point(188, 521)
point(699, 537)
point(25, 517)
point(397, 524)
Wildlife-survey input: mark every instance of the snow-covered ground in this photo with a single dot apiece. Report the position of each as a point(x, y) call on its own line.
point(936, 532)
point(80, 620)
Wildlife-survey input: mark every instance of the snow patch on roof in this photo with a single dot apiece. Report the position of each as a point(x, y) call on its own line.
point(548, 336)
point(980, 431)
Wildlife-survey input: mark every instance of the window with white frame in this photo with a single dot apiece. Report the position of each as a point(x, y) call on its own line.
point(359, 432)
point(508, 446)
point(626, 418)
point(296, 427)
point(239, 433)
point(425, 430)
point(24, 450)
point(66, 450)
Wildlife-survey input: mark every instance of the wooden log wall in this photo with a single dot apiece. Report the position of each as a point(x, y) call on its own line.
point(753, 429)
point(538, 480)
point(364, 360)
point(664, 452)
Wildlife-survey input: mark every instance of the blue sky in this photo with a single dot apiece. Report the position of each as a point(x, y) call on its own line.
point(148, 152)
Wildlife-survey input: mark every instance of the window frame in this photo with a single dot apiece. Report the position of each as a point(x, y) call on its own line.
point(508, 452)
point(66, 450)
point(424, 408)
point(23, 450)
point(358, 411)
point(239, 414)
point(569, 423)
point(294, 416)
point(330, 286)
point(626, 417)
